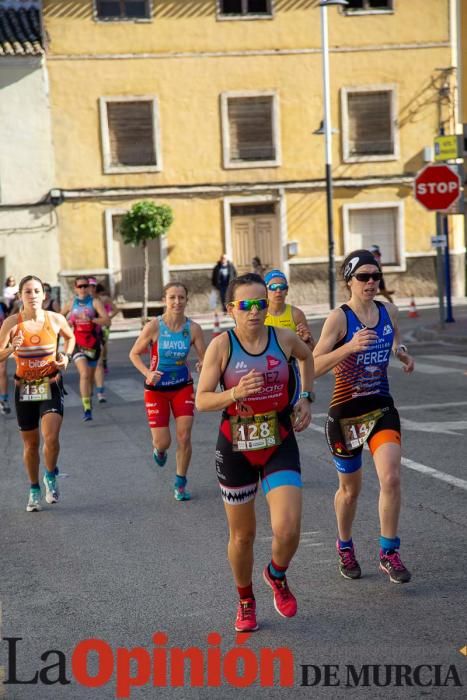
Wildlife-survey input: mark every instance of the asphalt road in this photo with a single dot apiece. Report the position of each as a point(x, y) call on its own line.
point(118, 559)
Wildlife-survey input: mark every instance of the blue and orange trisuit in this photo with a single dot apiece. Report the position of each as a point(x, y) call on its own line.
point(362, 409)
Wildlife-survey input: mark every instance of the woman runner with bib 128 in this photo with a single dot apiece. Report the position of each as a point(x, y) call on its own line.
point(256, 438)
point(356, 342)
point(31, 337)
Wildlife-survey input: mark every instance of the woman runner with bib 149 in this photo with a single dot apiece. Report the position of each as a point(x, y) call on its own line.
point(356, 342)
point(31, 337)
point(256, 438)
point(168, 382)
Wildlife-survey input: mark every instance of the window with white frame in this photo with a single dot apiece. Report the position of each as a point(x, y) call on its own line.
point(369, 6)
point(250, 130)
point(367, 225)
point(244, 8)
point(369, 131)
point(123, 9)
point(130, 134)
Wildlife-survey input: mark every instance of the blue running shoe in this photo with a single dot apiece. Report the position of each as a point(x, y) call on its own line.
point(87, 415)
point(160, 458)
point(181, 494)
point(34, 501)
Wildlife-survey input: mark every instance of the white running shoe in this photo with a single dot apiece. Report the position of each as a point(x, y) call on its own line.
point(51, 488)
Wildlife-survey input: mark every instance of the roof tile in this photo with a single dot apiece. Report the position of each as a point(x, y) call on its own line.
point(20, 32)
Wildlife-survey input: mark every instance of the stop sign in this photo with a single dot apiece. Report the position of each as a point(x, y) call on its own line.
point(437, 187)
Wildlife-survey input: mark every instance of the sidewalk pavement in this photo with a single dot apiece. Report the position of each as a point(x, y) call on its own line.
point(451, 332)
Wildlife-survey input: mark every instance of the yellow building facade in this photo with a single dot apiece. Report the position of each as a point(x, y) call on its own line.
point(210, 106)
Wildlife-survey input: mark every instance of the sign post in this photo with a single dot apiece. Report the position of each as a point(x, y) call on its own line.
point(438, 242)
point(437, 188)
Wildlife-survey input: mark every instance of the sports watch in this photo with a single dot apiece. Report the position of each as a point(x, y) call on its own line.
point(309, 395)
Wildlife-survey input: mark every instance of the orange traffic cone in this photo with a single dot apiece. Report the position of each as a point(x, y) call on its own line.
point(413, 313)
point(217, 327)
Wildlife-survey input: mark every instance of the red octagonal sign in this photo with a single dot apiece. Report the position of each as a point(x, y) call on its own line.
point(437, 187)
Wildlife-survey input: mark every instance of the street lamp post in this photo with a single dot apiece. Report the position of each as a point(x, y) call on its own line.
point(324, 4)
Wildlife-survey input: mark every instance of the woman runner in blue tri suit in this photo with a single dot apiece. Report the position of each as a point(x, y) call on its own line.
point(356, 342)
point(256, 438)
point(168, 385)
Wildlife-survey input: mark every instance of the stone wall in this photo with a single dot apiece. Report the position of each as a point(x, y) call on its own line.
point(309, 282)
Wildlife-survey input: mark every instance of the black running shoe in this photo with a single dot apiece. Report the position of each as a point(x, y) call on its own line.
point(348, 564)
point(392, 565)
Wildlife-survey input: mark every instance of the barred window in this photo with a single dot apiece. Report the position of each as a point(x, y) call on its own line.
point(129, 129)
point(369, 124)
point(245, 7)
point(123, 9)
point(369, 6)
point(251, 129)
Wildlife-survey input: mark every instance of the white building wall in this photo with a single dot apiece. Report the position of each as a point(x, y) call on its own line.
point(28, 232)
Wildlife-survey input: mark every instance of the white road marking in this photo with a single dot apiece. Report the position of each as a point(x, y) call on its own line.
point(435, 427)
point(127, 389)
point(414, 407)
point(435, 473)
point(445, 358)
point(427, 368)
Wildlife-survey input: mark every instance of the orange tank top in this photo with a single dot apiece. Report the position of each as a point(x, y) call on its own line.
point(37, 352)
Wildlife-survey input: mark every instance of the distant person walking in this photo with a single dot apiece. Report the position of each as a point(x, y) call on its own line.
point(257, 267)
point(382, 287)
point(10, 292)
point(223, 273)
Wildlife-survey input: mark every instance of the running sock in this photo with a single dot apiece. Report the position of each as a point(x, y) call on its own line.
point(345, 544)
point(180, 481)
point(100, 389)
point(86, 401)
point(277, 571)
point(389, 544)
point(245, 591)
point(3, 397)
point(35, 486)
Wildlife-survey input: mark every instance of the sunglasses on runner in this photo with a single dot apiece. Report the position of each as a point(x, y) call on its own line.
point(247, 304)
point(278, 287)
point(367, 276)
point(82, 286)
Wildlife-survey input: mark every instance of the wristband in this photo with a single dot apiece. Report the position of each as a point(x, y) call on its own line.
point(400, 348)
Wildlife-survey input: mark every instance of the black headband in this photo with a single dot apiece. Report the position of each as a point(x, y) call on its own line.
point(363, 258)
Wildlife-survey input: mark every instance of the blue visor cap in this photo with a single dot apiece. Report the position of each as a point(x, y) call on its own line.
point(273, 274)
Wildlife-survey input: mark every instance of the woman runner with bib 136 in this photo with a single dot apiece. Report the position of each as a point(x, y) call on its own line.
point(356, 342)
point(256, 438)
point(31, 337)
point(168, 382)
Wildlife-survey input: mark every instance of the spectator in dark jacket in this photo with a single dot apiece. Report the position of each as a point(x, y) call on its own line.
point(222, 274)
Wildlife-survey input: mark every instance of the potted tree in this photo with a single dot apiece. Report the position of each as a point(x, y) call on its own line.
point(144, 222)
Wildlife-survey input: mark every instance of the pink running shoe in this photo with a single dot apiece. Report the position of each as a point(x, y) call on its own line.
point(392, 565)
point(246, 616)
point(348, 564)
point(284, 600)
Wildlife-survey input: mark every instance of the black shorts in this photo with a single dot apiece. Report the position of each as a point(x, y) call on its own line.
point(91, 355)
point(238, 472)
point(386, 428)
point(29, 413)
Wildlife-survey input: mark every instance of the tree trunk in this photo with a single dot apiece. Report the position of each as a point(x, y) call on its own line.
point(146, 283)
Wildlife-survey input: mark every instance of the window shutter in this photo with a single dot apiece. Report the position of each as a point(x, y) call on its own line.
point(375, 226)
point(250, 128)
point(131, 133)
point(370, 123)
